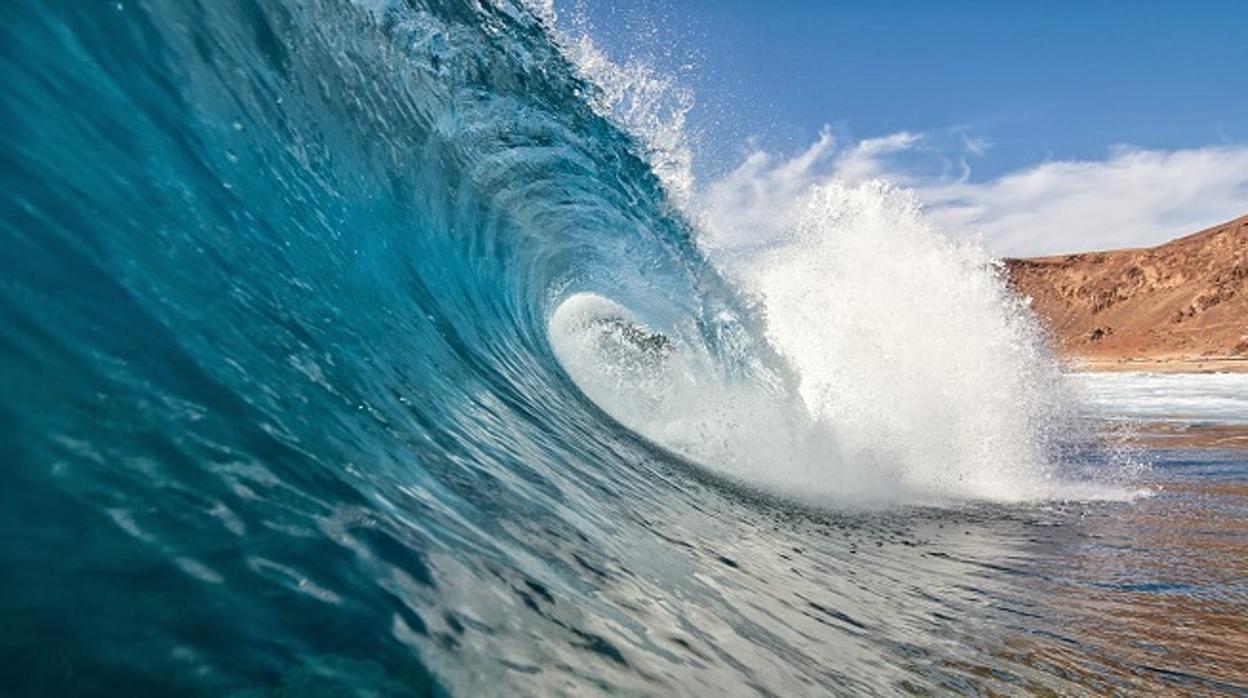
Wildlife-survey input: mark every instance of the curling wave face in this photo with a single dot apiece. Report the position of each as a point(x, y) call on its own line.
point(350, 344)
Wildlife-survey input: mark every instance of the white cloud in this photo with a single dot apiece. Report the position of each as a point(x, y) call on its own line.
point(1133, 197)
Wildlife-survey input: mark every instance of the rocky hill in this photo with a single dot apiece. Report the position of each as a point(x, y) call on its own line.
point(1184, 303)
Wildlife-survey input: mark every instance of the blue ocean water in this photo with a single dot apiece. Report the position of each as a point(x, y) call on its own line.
point(282, 414)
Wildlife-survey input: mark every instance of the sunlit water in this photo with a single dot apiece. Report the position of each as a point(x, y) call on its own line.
point(308, 392)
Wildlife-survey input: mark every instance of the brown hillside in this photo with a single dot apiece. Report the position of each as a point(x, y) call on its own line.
point(1186, 300)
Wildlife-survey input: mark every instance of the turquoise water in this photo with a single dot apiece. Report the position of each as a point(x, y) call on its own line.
point(283, 414)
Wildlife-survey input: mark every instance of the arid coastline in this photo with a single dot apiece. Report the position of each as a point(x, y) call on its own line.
point(1179, 307)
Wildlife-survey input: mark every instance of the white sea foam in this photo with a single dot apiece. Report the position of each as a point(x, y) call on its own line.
point(1216, 398)
point(904, 436)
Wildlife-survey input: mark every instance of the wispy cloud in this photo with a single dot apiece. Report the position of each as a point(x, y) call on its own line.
point(1132, 197)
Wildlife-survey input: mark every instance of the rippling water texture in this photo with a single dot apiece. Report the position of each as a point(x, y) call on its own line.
point(285, 410)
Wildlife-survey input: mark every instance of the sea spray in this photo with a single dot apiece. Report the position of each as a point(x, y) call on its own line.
point(645, 102)
point(911, 351)
point(919, 375)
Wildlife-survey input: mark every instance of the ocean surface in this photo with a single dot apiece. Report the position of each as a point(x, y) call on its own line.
point(383, 348)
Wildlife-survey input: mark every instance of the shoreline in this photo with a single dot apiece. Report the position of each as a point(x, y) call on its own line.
point(1192, 364)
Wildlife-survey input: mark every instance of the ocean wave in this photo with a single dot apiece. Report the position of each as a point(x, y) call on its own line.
point(356, 344)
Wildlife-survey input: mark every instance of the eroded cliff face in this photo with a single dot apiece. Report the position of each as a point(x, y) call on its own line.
point(1186, 299)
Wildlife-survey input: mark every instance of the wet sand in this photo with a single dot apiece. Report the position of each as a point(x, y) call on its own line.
point(1237, 364)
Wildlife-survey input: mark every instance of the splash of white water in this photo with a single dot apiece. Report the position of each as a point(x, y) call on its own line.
point(921, 377)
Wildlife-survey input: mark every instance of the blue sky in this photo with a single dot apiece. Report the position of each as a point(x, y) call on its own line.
point(987, 90)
